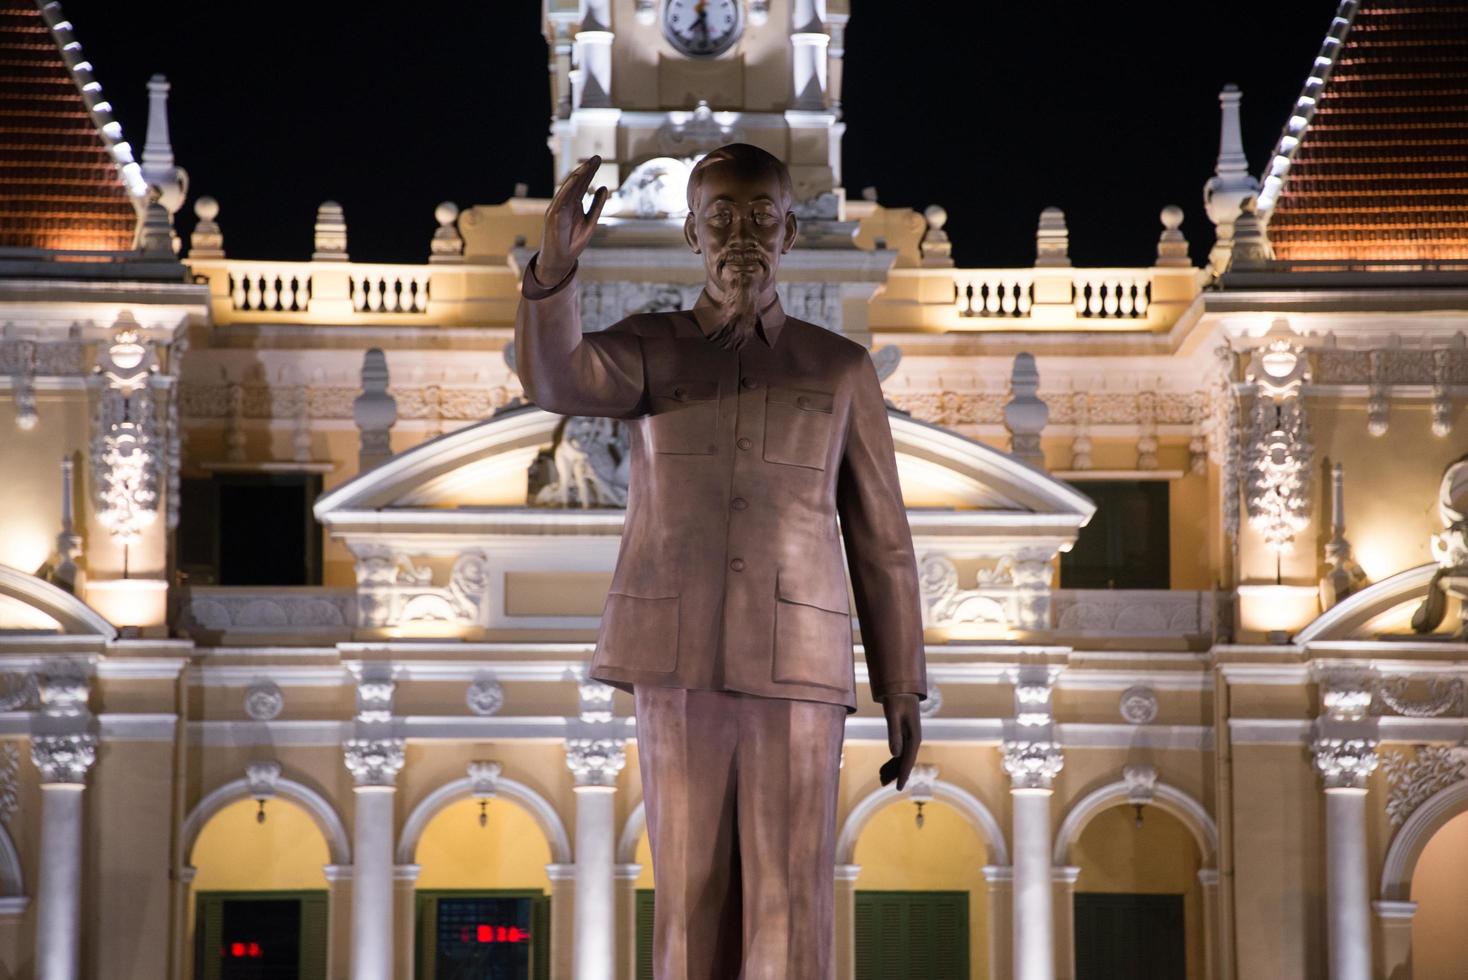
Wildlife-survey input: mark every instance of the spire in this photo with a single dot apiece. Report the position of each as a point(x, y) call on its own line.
point(1231, 184)
point(159, 169)
point(1052, 239)
point(1025, 414)
point(375, 411)
point(331, 232)
point(1344, 576)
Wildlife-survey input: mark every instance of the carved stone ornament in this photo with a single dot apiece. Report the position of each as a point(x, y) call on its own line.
point(64, 758)
point(595, 699)
point(484, 696)
point(16, 690)
point(264, 700)
point(9, 781)
point(126, 452)
point(920, 782)
point(374, 761)
point(393, 591)
point(933, 703)
point(1277, 491)
point(484, 778)
point(1344, 763)
point(262, 778)
point(656, 188)
point(1032, 765)
point(946, 604)
point(1141, 783)
point(691, 134)
point(1138, 705)
point(1414, 779)
point(595, 761)
point(62, 689)
point(1413, 697)
point(590, 465)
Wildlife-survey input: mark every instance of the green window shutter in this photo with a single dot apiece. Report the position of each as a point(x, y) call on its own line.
point(208, 934)
point(645, 905)
point(540, 938)
point(912, 936)
point(315, 936)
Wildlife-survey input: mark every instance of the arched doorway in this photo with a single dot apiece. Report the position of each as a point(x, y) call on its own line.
point(1440, 889)
point(482, 900)
point(921, 898)
point(1138, 898)
point(258, 898)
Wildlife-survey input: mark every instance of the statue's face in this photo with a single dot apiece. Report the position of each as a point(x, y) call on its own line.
point(741, 224)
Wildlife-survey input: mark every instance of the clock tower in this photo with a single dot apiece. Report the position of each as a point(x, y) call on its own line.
point(639, 80)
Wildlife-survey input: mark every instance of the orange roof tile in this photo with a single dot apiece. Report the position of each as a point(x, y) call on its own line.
point(59, 185)
point(1380, 171)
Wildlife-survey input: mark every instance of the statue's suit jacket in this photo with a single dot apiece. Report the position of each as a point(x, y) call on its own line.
point(729, 576)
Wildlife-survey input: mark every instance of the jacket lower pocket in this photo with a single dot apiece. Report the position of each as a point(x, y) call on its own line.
point(639, 633)
point(812, 646)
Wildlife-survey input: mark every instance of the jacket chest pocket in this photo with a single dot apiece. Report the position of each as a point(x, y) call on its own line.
point(685, 418)
point(797, 426)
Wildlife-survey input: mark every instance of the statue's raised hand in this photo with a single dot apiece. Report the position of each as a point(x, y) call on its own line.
point(567, 227)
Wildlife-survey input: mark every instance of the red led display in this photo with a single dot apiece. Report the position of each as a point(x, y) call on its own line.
point(241, 951)
point(484, 933)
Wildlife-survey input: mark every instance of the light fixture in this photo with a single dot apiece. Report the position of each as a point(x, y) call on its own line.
point(1138, 807)
point(484, 813)
point(260, 813)
point(919, 819)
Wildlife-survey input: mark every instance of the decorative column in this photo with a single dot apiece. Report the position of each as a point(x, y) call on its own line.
point(627, 875)
point(595, 757)
point(595, 763)
point(374, 757)
point(1032, 759)
point(845, 920)
point(62, 751)
point(563, 903)
point(1208, 878)
point(1344, 752)
point(1064, 880)
point(1000, 879)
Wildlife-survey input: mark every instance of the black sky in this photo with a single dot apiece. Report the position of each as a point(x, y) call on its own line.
point(991, 109)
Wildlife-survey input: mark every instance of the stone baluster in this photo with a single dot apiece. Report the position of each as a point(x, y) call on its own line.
point(1025, 414)
point(63, 750)
point(375, 411)
point(374, 757)
point(1344, 753)
point(1032, 759)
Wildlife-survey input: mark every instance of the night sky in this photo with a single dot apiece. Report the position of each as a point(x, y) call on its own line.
point(994, 110)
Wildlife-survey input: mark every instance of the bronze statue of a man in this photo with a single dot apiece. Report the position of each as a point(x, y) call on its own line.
point(728, 617)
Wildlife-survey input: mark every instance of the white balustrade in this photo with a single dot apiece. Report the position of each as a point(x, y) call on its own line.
point(993, 292)
point(1114, 293)
point(274, 287)
point(389, 289)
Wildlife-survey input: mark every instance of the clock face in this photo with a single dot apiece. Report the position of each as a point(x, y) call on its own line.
point(703, 28)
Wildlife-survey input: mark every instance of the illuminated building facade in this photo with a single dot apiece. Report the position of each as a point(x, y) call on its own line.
point(296, 591)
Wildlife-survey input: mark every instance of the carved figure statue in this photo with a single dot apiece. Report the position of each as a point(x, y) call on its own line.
point(1450, 548)
point(728, 619)
point(591, 465)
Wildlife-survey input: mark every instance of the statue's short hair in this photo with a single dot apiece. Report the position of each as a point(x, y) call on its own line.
point(747, 157)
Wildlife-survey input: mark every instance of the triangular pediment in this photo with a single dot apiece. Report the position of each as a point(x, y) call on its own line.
point(485, 465)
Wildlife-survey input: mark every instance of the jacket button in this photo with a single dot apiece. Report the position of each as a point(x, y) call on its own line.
point(739, 503)
point(679, 392)
point(802, 402)
point(743, 443)
point(748, 382)
point(737, 564)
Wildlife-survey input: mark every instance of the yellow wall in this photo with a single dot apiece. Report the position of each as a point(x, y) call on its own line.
point(1440, 889)
point(1159, 858)
point(508, 852)
point(945, 855)
point(235, 853)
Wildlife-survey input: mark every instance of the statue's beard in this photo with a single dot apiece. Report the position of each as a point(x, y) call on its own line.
point(738, 310)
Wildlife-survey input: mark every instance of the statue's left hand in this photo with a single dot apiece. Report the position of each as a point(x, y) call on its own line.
point(904, 735)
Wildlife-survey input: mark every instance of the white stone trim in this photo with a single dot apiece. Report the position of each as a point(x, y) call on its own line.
point(1120, 735)
point(138, 727)
point(1386, 909)
point(561, 871)
point(1408, 843)
point(632, 830)
point(217, 734)
point(13, 906)
point(1081, 679)
point(1267, 675)
point(960, 799)
point(318, 807)
point(1193, 815)
point(12, 873)
point(1269, 731)
point(141, 669)
point(75, 617)
point(539, 808)
point(284, 675)
point(1340, 620)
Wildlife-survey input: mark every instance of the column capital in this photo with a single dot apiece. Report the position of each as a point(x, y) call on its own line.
point(1032, 764)
point(1344, 763)
point(595, 761)
point(374, 761)
point(64, 759)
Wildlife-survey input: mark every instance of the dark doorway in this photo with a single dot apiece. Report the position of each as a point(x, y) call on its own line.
point(1130, 936)
point(250, 529)
point(1126, 544)
point(489, 935)
point(260, 936)
point(912, 936)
